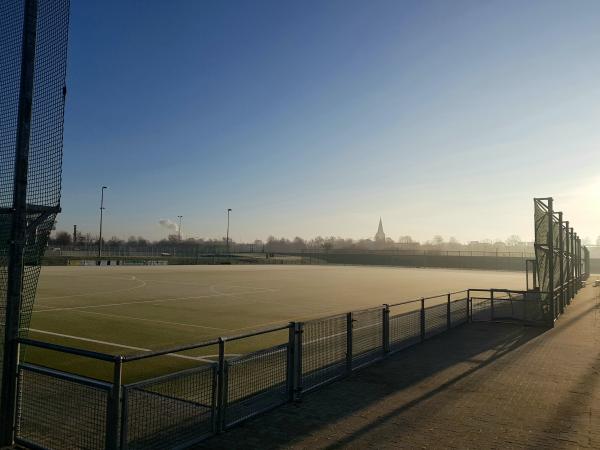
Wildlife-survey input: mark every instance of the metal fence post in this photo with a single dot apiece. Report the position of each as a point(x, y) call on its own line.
point(492, 303)
point(422, 319)
point(469, 307)
point(291, 360)
point(386, 328)
point(114, 406)
point(299, 330)
point(349, 321)
point(448, 318)
point(221, 386)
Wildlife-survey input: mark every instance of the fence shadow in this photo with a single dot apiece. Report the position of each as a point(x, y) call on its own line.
point(437, 364)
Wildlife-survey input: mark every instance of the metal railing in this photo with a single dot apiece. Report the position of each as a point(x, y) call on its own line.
point(209, 393)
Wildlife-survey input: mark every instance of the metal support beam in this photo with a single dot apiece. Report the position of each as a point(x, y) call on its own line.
point(561, 262)
point(16, 249)
point(550, 257)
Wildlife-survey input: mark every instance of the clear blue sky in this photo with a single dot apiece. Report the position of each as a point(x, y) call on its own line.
point(318, 117)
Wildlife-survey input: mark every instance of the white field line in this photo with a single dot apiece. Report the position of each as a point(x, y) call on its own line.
point(205, 358)
point(161, 300)
point(154, 320)
point(115, 291)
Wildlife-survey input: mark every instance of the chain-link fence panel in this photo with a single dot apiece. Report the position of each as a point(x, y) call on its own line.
point(255, 383)
point(367, 336)
point(481, 309)
point(436, 319)
point(405, 330)
point(503, 307)
point(324, 345)
point(175, 410)
point(459, 312)
point(57, 410)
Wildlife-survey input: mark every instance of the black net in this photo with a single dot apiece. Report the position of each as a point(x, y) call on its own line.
point(324, 348)
point(367, 336)
point(60, 411)
point(405, 330)
point(255, 383)
point(170, 411)
point(46, 140)
point(543, 256)
point(11, 37)
point(46, 137)
point(436, 319)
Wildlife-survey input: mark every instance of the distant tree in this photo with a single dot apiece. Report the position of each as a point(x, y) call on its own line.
point(598, 240)
point(62, 238)
point(437, 240)
point(405, 240)
point(513, 241)
point(298, 243)
point(586, 241)
point(114, 241)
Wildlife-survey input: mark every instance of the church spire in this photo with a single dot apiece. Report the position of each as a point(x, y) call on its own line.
point(380, 236)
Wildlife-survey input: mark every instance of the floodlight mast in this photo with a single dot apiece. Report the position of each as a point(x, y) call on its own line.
point(101, 211)
point(227, 238)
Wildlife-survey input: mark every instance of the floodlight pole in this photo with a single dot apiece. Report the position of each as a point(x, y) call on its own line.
point(179, 229)
point(18, 237)
point(101, 211)
point(227, 239)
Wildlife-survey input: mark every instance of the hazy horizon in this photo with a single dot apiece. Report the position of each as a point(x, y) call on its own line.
point(318, 118)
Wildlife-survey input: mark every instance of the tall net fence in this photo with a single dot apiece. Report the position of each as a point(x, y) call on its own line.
point(559, 259)
point(44, 129)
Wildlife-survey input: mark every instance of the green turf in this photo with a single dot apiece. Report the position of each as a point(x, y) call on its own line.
point(163, 306)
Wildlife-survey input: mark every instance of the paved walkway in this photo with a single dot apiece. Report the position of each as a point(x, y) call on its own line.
point(478, 386)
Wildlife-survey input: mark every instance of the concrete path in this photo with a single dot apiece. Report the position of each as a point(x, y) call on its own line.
point(478, 386)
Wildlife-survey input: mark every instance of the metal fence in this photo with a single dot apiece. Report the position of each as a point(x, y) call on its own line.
point(58, 410)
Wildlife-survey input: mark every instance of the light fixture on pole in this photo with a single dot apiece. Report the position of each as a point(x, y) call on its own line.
point(227, 239)
point(101, 211)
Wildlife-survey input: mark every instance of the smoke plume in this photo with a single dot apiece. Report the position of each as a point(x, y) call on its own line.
point(169, 225)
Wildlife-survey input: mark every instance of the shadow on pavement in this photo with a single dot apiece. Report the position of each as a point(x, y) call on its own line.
point(435, 366)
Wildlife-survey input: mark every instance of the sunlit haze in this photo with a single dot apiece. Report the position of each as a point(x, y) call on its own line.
point(317, 118)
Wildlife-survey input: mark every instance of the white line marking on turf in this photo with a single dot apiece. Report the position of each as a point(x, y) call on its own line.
point(99, 293)
point(160, 300)
point(114, 344)
point(154, 320)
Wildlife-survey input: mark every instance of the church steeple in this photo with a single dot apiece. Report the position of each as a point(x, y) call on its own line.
point(380, 236)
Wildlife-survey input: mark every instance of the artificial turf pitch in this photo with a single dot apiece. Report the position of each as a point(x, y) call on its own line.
point(124, 310)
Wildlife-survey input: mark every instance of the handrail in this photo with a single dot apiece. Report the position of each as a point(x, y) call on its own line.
point(167, 351)
point(257, 333)
point(64, 349)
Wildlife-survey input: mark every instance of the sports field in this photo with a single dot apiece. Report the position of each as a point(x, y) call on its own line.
point(123, 310)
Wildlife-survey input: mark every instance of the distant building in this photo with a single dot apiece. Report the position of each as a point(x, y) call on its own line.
point(380, 235)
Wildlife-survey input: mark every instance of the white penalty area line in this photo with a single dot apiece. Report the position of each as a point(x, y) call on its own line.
point(129, 347)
